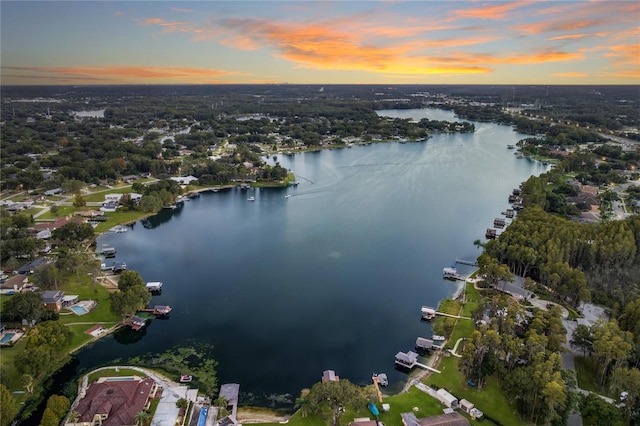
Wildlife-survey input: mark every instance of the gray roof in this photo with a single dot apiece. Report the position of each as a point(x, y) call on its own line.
point(52, 296)
point(423, 343)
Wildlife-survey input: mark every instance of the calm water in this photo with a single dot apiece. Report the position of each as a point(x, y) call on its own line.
point(332, 277)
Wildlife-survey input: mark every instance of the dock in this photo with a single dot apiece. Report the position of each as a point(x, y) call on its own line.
point(376, 383)
point(430, 313)
point(466, 262)
point(158, 310)
point(410, 360)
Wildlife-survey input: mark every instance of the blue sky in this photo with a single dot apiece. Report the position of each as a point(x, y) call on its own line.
point(323, 42)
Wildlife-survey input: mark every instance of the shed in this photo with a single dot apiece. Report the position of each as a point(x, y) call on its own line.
point(466, 406)
point(446, 398)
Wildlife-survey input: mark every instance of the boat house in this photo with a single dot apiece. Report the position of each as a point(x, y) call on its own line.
point(499, 222)
point(450, 273)
point(491, 233)
point(423, 344)
point(154, 286)
point(407, 360)
point(329, 376)
point(428, 312)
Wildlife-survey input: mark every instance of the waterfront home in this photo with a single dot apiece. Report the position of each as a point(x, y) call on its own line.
point(52, 300)
point(114, 401)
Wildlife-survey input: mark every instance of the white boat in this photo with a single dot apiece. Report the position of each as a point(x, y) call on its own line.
point(437, 338)
point(251, 199)
point(287, 196)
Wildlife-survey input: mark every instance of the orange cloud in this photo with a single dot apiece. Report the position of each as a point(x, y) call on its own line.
point(116, 73)
point(571, 74)
point(624, 54)
point(568, 37)
point(495, 11)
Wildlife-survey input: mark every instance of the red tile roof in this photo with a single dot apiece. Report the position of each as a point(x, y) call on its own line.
point(118, 400)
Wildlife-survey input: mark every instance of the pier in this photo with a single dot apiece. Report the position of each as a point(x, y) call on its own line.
point(466, 262)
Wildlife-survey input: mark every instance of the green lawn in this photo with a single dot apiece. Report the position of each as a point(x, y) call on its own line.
point(406, 403)
point(112, 372)
point(489, 399)
point(62, 212)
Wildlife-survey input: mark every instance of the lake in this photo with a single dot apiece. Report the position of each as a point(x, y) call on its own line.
point(332, 277)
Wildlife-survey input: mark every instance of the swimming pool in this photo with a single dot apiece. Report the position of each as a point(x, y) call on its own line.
point(118, 379)
point(203, 416)
point(7, 337)
point(78, 309)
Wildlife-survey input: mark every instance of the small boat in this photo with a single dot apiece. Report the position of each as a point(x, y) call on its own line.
point(287, 196)
point(381, 378)
point(437, 338)
point(185, 378)
point(511, 146)
point(251, 199)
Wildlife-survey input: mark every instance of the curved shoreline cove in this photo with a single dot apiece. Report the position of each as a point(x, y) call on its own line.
point(328, 274)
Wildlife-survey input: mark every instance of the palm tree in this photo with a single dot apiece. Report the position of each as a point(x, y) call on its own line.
point(143, 418)
point(74, 416)
point(27, 383)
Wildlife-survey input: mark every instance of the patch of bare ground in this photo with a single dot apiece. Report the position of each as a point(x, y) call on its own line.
point(247, 415)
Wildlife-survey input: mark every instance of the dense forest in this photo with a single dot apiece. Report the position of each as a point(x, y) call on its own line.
point(220, 134)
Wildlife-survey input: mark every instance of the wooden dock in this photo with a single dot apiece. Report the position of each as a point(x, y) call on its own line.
point(451, 316)
point(466, 262)
point(376, 382)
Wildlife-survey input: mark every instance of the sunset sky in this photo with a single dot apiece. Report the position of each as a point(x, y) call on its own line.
point(323, 42)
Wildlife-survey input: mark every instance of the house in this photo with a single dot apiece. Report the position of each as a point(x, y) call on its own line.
point(52, 300)
point(112, 198)
point(129, 178)
point(15, 283)
point(53, 191)
point(451, 419)
point(53, 225)
point(29, 268)
point(329, 376)
point(184, 180)
point(114, 401)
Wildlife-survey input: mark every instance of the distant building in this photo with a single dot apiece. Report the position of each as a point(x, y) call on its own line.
point(15, 283)
point(30, 267)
